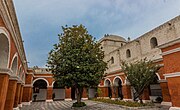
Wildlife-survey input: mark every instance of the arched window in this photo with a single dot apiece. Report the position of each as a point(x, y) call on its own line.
point(153, 42)
point(121, 44)
point(128, 53)
point(4, 51)
point(14, 65)
point(112, 60)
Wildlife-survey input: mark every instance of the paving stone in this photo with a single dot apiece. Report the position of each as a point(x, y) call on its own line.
point(67, 105)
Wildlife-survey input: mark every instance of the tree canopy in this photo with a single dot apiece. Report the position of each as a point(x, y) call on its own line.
point(77, 60)
point(140, 74)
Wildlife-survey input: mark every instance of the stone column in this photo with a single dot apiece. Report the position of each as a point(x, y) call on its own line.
point(49, 94)
point(27, 94)
point(10, 94)
point(103, 92)
point(68, 94)
point(17, 95)
point(4, 80)
point(114, 92)
point(27, 89)
point(174, 88)
point(21, 93)
point(126, 90)
point(84, 94)
point(165, 93)
point(145, 95)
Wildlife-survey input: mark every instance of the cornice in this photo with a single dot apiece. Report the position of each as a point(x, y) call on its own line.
point(170, 75)
point(9, 17)
point(176, 41)
point(5, 71)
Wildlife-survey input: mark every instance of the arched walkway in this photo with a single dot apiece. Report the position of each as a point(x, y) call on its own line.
point(118, 87)
point(4, 51)
point(39, 90)
point(58, 92)
point(155, 91)
point(14, 65)
point(107, 84)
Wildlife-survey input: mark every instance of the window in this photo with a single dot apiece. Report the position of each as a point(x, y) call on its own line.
point(112, 60)
point(121, 44)
point(153, 42)
point(128, 53)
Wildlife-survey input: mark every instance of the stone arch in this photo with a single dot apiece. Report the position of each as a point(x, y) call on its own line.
point(128, 53)
point(40, 83)
point(153, 42)
point(115, 80)
point(58, 91)
point(4, 48)
point(159, 78)
point(41, 79)
point(55, 85)
point(14, 64)
point(155, 90)
point(39, 89)
point(52, 85)
point(107, 82)
point(23, 77)
point(20, 71)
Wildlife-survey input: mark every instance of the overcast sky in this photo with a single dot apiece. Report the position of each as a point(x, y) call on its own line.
point(41, 20)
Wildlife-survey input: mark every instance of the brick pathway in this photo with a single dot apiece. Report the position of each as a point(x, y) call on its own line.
point(66, 105)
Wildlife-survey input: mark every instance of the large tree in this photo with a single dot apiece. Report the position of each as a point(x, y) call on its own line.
point(77, 60)
point(140, 74)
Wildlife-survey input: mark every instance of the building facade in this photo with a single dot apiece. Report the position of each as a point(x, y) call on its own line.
point(162, 46)
point(13, 64)
point(22, 85)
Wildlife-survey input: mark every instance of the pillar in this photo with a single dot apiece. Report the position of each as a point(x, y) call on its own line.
point(4, 80)
point(102, 91)
point(85, 93)
point(174, 90)
point(49, 93)
point(27, 89)
point(114, 93)
point(27, 94)
point(165, 93)
point(18, 89)
point(68, 94)
point(126, 90)
point(21, 93)
point(145, 95)
point(10, 94)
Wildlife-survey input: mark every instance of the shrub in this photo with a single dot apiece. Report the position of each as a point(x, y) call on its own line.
point(99, 92)
point(124, 103)
point(81, 104)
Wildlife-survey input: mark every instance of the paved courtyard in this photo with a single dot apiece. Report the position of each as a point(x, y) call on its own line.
point(66, 105)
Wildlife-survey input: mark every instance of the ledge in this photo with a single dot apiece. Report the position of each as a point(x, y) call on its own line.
point(5, 71)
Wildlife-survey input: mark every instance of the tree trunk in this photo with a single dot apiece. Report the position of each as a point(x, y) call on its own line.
point(79, 92)
point(140, 99)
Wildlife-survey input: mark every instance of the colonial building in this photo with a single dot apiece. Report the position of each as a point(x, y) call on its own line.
point(22, 85)
point(162, 46)
point(13, 64)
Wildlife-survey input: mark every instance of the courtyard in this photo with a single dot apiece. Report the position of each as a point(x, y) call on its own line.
point(91, 105)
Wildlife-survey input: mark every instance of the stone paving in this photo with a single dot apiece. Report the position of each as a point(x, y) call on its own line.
point(66, 105)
